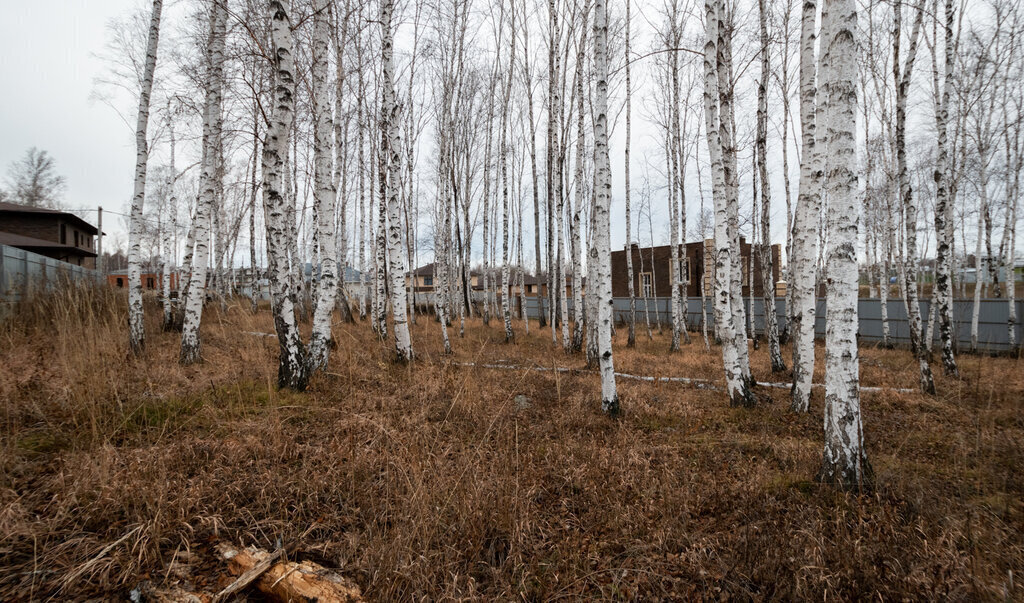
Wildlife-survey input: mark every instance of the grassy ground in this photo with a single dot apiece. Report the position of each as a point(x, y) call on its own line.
point(431, 481)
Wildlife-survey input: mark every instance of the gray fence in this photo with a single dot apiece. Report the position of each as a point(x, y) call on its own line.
point(993, 318)
point(23, 272)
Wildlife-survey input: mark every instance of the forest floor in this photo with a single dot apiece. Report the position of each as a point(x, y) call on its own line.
point(434, 481)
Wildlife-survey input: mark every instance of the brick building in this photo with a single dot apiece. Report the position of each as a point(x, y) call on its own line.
point(651, 269)
point(49, 232)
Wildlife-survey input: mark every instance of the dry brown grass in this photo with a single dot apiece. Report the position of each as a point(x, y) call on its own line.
point(429, 482)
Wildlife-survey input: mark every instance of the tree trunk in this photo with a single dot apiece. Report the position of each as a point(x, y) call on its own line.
point(324, 194)
point(391, 149)
point(136, 324)
point(806, 221)
point(727, 138)
point(292, 366)
point(737, 385)
point(631, 340)
point(771, 325)
point(170, 247)
point(601, 252)
point(844, 462)
point(209, 185)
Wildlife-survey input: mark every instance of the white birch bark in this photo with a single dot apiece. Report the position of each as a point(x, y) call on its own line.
point(906, 193)
point(170, 248)
point(727, 129)
point(380, 241)
point(292, 367)
point(506, 287)
point(391, 143)
point(577, 245)
point(771, 325)
point(136, 323)
point(209, 185)
point(844, 460)
point(341, 158)
point(361, 169)
point(737, 385)
point(671, 136)
point(631, 339)
point(806, 220)
point(601, 252)
point(254, 280)
point(324, 193)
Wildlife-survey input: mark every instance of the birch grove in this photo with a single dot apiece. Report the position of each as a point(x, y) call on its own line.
point(379, 160)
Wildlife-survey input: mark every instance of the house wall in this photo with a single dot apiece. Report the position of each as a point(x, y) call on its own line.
point(150, 280)
point(699, 264)
point(54, 228)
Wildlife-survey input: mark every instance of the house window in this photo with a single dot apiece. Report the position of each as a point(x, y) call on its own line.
point(428, 281)
point(149, 282)
point(63, 234)
point(646, 284)
point(120, 282)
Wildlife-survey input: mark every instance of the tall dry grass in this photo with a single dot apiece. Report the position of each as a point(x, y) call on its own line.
point(431, 481)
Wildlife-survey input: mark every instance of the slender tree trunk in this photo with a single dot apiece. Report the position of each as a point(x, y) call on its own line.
point(170, 248)
point(631, 340)
point(736, 384)
point(324, 193)
point(771, 325)
point(506, 288)
point(292, 367)
point(845, 462)
point(806, 221)
point(727, 138)
point(601, 252)
point(917, 346)
point(209, 185)
point(390, 181)
point(136, 324)
point(254, 280)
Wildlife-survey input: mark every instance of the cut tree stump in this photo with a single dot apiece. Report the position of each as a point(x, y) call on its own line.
point(286, 581)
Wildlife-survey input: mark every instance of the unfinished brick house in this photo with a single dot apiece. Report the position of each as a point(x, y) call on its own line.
point(651, 269)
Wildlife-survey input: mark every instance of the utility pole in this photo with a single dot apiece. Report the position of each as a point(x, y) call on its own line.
point(99, 242)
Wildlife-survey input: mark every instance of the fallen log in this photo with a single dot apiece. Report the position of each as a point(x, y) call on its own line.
point(286, 581)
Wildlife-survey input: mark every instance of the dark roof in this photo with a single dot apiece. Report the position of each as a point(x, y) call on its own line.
point(26, 209)
point(428, 270)
point(425, 270)
point(30, 243)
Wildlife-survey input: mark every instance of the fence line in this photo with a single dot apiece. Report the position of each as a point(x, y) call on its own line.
point(993, 319)
point(23, 273)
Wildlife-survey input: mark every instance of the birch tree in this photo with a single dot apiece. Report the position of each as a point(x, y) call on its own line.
point(324, 192)
point(901, 75)
point(209, 185)
point(600, 253)
point(943, 203)
point(391, 144)
point(292, 368)
point(806, 220)
point(136, 324)
point(631, 340)
point(737, 386)
point(767, 282)
point(845, 461)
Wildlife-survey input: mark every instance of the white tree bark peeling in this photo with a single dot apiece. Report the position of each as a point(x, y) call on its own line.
point(136, 325)
point(601, 251)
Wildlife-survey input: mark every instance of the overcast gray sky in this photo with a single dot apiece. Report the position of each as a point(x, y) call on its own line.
point(48, 65)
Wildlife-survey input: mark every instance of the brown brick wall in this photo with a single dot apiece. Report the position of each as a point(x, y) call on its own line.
point(695, 255)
